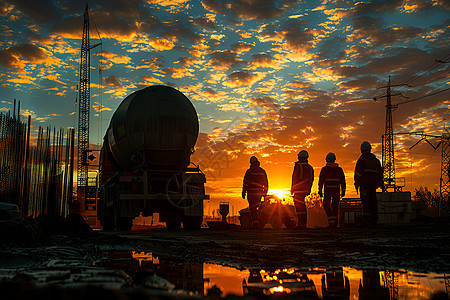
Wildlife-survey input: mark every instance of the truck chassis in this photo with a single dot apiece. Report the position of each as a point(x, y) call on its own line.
point(176, 195)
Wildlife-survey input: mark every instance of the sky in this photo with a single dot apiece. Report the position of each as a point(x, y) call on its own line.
point(267, 78)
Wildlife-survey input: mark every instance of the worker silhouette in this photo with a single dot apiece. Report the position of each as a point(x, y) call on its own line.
point(255, 186)
point(335, 285)
point(332, 182)
point(368, 177)
point(370, 287)
point(302, 180)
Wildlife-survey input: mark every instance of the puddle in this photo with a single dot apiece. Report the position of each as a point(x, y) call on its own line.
point(206, 279)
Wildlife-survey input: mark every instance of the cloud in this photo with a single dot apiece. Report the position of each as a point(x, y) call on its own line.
point(294, 34)
point(249, 10)
point(16, 56)
point(374, 7)
point(210, 93)
point(363, 82)
point(161, 44)
point(153, 63)
point(151, 79)
point(113, 81)
point(167, 2)
point(177, 72)
point(224, 59)
point(114, 58)
point(298, 84)
point(205, 22)
point(179, 30)
point(372, 29)
point(264, 102)
point(241, 47)
point(187, 61)
point(240, 78)
point(297, 38)
point(262, 60)
point(42, 11)
point(119, 25)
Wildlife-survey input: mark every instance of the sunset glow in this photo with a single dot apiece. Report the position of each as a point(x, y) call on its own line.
point(266, 77)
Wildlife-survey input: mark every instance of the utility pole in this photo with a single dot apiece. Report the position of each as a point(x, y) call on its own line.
point(444, 183)
point(444, 205)
point(388, 139)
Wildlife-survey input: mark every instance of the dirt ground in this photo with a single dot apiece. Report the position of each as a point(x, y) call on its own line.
point(85, 260)
point(424, 248)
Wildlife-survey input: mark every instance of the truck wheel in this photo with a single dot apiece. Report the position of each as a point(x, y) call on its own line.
point(107, 223)
point(262, 220)
point(289, 223)
point(245, 220)
point(124, 223)
point(173, 225)
point(192, 223)
point(276, 222)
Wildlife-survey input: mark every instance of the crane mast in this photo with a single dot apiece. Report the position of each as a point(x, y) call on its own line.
point(83, 195)
point(84, 104)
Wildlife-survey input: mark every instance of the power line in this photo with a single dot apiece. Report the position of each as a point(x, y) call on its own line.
point(431, 67)
point(425, 96)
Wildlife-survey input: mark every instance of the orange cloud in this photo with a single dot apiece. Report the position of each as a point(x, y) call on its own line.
point(240, 47)
point(187, 61)
point(167, 2)
point(262, 60)
point(113, 81)
point(240, 78)
point(177, 72)
point(151, 79)
point(224, 59)
point(16, 56)
point(161, 44)
point(114, 58)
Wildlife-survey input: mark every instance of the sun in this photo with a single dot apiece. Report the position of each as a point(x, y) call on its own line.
point(280, 193)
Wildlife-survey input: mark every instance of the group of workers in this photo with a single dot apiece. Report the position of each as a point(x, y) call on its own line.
point(368, 177)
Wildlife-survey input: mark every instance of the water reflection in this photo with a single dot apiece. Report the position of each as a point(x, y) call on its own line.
point(285, 281)
point(335, 285)
point(371, 287)
point(338, 283)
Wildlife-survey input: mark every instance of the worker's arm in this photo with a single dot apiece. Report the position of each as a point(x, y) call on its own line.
point(343, 184)
point(358, 174)
point(321, 183)
point(245, 185)
point(294, 179)
point(266, 183)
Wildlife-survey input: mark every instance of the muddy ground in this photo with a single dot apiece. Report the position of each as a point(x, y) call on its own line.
point(424, 248)
point(73, 262)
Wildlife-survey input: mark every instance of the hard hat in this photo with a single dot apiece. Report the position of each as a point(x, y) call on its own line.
point(365, 146)
point(253, 159)
point(303, 154)
point(331, 157)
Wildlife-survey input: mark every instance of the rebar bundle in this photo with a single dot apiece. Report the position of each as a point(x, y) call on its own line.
point(49, 172)
point(12, 152)
point(39, 177)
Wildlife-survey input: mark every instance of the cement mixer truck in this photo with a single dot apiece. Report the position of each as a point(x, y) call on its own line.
point(145, 162)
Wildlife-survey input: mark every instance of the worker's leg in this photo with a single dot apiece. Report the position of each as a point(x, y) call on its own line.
point(254, 201)
point(327, 206)
point(372, 195)
point(335, 198)
point(300, 208)
point(366, 206)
